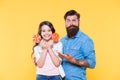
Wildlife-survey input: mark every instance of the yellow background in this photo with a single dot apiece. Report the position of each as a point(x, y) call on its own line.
point(19, 20)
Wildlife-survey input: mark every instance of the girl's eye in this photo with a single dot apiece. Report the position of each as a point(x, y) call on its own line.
point(43, 30)
point(49, 30)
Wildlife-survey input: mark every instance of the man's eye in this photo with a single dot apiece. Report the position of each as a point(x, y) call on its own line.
point(74, 20)
point(67, 20)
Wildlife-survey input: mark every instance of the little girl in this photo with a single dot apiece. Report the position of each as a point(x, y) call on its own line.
point(48, 63)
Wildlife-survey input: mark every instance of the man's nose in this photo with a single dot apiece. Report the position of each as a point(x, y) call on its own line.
point(71, 23)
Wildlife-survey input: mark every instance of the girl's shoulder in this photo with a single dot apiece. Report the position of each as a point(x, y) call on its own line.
point(37, 48)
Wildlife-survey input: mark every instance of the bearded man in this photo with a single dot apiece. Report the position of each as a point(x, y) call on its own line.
point(78, 49)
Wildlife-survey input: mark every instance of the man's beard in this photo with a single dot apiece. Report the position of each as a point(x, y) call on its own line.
point(72, 31)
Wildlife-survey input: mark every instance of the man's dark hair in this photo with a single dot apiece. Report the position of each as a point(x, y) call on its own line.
point(71, 13)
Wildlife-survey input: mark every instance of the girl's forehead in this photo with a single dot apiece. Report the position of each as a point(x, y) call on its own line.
point(45, 27)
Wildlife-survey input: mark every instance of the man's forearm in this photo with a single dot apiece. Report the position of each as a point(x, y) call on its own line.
point(82, 63)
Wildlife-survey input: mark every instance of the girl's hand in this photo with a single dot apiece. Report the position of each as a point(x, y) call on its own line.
point(50, 44)
point(43, 44)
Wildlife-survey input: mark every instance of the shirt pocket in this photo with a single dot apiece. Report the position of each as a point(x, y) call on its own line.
point(76, 53)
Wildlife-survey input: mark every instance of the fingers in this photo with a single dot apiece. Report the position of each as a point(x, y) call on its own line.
point(46, 45)
point(68, 55)
point(61, 55)
point(50, 44)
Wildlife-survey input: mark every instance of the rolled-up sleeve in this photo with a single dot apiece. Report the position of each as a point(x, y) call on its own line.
point(89, 53)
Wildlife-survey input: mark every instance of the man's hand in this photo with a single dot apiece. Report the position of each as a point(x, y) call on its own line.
point(67, 57)
point(82, 63)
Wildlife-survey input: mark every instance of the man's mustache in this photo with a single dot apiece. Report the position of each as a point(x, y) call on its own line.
point(71, 26)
